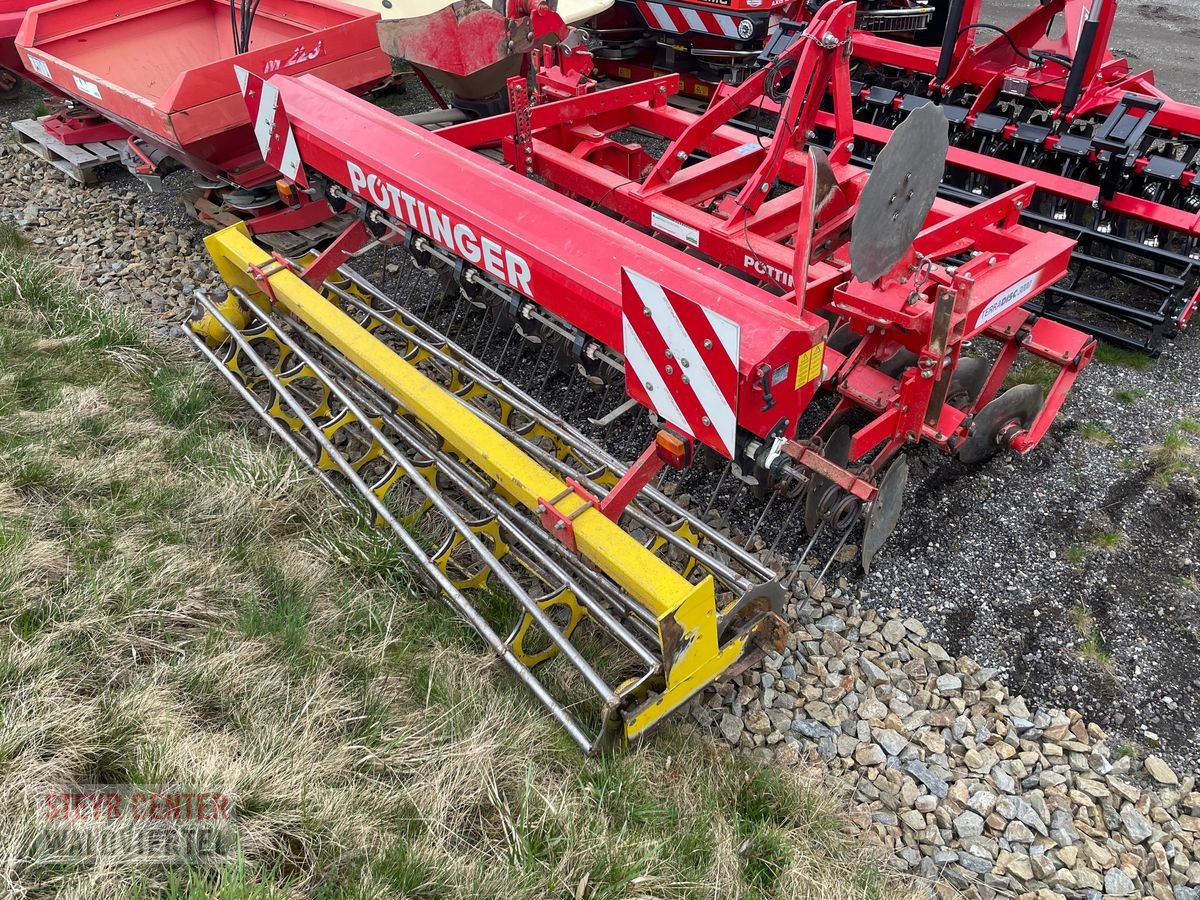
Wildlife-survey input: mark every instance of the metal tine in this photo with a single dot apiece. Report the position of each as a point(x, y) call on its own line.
point(662, 528)
point(507, 341)
point(578, 402)
point(284, 434)
point(733, 502)
point(803, 556)
point(716, 490)
point(763, 517)
point(453, 595)
point(786, 520)
point(434, 294)
point(836, 550)
point(443, 506)
point(479, 491)
point(533, 409)
point(495, 324)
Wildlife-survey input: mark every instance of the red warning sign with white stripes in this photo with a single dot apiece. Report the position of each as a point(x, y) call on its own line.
point(685, 19)
point(681, 360)
point(276, 140)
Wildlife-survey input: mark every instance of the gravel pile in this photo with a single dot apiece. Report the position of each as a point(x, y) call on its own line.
point(116, 237)
point(968, 786)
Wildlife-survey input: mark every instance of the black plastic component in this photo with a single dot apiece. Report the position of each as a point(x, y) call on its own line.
point(881, 96)
point(1031, 134)
point(786, 34)
point(1074, 145)
point(1165, 167)
point(989, 123)
point(955, 115)
point(913, 101)
point(1120, 136)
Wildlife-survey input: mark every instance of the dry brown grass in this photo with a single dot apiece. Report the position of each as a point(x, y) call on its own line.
point(178, 603)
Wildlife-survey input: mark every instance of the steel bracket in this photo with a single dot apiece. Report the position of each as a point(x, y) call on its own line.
point(562, 525)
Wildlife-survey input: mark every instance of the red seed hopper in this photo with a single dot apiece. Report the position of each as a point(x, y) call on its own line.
point(164, 69)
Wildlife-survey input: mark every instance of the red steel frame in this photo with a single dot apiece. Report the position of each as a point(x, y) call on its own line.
point(1106, 80)
point(12, 13)
point(198, 116)
point(976, 265)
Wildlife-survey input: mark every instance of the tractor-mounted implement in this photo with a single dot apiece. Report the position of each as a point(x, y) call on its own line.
point(782, 314)
point(1045, 100)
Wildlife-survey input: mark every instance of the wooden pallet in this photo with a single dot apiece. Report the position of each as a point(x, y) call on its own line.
point(78, 161)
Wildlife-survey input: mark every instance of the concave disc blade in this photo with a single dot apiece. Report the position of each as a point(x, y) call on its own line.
point(884, 513)
point(897, 198)
point(1017, 405)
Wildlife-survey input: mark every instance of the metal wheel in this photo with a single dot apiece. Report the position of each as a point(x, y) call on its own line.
point(967, 382)
point(998, 422)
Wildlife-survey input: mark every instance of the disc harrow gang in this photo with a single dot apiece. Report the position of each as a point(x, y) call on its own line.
point(1043, 100)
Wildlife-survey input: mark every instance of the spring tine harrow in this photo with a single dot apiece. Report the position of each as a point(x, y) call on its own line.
point(343, 378)
point(554, 443)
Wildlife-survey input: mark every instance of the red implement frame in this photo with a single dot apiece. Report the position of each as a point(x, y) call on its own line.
point(12, 13)
point(109, 55)
point(741, 236)
point(1093, 86)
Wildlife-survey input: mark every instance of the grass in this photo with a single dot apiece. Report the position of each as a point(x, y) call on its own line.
point(1108, 540)
point(1092, 646)
point(1097, 434)
point(1112, 355)
point(1034, 371)
point(1129, 395)
point(11, 237)
point(181, 604)
point(1075, 553)
point(1176, 455)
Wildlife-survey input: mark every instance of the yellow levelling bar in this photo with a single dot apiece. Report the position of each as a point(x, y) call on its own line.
point(686, 613)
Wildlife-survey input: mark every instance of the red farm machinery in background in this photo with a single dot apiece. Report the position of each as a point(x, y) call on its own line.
point(184, 107)
point(1045, 100)
point(12, 13)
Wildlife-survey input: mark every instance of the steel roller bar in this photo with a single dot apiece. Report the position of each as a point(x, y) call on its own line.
point(439, 578)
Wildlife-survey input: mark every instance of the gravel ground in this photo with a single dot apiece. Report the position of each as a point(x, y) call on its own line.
point(1011, 564)
point(1073, 570)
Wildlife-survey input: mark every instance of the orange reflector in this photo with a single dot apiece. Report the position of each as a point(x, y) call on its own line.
point(673, 450)
point(287, 192)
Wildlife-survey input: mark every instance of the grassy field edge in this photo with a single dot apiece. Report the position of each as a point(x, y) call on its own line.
point(180, 603)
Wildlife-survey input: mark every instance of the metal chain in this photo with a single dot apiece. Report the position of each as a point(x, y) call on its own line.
point(926, 266)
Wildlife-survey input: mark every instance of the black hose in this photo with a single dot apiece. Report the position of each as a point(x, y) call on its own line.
point(241, 19)
point(1057, 57)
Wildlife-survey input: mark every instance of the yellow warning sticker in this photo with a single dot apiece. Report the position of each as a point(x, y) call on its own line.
point(624, 72)
point(808, 366)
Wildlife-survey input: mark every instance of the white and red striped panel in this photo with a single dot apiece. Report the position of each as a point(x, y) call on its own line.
point(681, 360)
point(684, 19)
point(274, 134)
